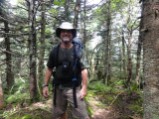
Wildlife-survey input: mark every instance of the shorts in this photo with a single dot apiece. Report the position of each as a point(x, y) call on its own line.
point(65, 96)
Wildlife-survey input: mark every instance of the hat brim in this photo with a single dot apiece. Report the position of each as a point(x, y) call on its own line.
point(58, 31)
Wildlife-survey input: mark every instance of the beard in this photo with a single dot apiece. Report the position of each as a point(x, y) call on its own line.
point(66, 40)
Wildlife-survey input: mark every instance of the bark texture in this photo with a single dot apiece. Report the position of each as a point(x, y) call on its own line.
point(32, 51)
point(150, 32)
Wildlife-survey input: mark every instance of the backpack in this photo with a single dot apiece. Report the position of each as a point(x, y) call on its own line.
point(71, 70)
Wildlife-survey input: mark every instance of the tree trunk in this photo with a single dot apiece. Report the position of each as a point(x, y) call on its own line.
point(139, 49)
point(9, 73)
point(123, 55)
point(84, 24)
point(150, 33)
point(108, 45)
point(1, 8)
point(76, 10)
point(1, 95)
point(32, 52)
point(66, 13)
point(42, 47)
point(129, 65)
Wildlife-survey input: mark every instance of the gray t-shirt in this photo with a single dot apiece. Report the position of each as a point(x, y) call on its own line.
point(65, 54)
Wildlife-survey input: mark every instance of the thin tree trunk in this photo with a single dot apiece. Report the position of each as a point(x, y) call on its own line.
point(139, 49)
point(123, 55)
point(32, 52)
point(42, 47)
point(138, 80)
point(1, 7)
point(84, 24)
point(150, 33)
point(76, 10)
point(108, 45)
point(9, 73)
point(1, 95)
point(129, 65)
point(67, 13)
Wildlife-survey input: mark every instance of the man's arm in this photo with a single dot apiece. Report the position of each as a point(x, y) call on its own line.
point(48, 74)
point(84, 74)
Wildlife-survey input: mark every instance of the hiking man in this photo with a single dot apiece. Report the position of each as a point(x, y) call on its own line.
point(70, 75)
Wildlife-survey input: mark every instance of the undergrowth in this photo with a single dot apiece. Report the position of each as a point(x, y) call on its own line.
point(128, 102)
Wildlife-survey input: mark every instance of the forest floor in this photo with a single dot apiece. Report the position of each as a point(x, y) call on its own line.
point(100, 106)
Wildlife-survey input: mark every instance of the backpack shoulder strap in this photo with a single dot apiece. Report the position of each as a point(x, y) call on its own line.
point(78, 49)
point(56, 54)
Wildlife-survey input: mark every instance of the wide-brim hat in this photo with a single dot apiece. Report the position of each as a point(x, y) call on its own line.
point(66, 26)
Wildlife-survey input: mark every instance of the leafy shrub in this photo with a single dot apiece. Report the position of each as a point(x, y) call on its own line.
point(17, 97)
point(19, 92)
point(99, 87)
point(136, 108)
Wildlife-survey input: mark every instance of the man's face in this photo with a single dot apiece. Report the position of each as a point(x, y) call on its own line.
point(66, 36)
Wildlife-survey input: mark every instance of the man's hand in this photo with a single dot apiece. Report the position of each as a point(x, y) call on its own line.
point(83, 93)
point(46, 92)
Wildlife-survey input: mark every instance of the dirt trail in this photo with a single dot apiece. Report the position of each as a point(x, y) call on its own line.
point(98, 110)
point(123, 106)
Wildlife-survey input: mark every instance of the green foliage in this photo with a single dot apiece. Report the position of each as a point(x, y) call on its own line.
point(53, 11)
point(27, 117)
point(59, 2)
point(19, 92)
point(136, 108)
point(17, 97)
point(20, 1)
point(90, 110)
point(134, 87)
point(48, 32)
point(27, 114)
point(114, 86)
point(7, 114)
point(99, 87)
point(155, 116)
point(119, 82)
point(129, 104)
point(117, 4)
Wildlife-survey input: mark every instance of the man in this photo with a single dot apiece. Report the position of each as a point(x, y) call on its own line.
point(64, 76)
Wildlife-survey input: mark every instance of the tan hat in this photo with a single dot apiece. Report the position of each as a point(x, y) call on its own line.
point(66, 26)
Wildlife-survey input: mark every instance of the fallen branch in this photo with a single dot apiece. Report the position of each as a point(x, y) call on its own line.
point(115, 98)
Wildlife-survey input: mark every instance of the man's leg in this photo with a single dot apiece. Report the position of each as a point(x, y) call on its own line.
point(59, 111)
point(81, 111)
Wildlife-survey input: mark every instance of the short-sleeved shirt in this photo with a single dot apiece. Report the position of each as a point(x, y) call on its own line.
point(65, 54)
